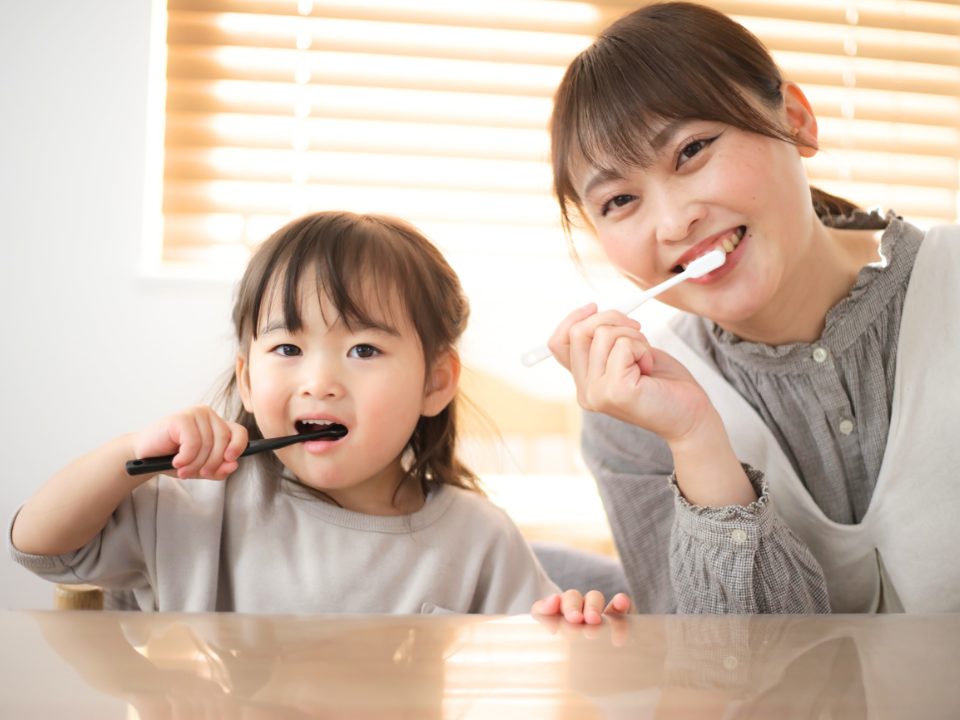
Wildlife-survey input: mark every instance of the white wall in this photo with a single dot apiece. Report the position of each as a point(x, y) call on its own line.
point(93, 348)
point(90, 348)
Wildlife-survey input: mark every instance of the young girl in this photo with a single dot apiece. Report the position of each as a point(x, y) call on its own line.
point(340, 319)
point(787, 442)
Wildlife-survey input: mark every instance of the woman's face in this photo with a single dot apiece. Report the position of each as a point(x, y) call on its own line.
point(709, 183)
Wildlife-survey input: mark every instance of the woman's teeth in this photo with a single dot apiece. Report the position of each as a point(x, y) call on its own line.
point(727, 244)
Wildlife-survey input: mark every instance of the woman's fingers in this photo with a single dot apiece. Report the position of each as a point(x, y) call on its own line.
point(559, 342)
point(590, 343)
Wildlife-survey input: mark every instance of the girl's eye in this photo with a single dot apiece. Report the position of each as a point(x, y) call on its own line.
point(617, 201)
point(363, 351)
point(287, 350)
point(691, 149)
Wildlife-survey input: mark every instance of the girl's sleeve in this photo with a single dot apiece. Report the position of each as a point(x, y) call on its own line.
point(687, 559)
point(115, 557)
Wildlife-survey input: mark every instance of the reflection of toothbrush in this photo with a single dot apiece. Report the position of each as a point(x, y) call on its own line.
point(698, 268)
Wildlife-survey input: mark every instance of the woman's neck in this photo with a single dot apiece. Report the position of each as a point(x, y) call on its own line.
point(823, 276)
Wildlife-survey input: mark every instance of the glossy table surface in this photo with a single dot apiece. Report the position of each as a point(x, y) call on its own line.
point(75, 664)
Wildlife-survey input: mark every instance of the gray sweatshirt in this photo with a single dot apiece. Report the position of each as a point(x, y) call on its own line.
point(241, 545)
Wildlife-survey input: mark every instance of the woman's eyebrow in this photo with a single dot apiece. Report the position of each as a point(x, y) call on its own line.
point(667, 132)
point(659, 141)
point(601, 176)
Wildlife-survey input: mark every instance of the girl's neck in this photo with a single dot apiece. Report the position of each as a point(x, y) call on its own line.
point(380, 499)
point(822, 277)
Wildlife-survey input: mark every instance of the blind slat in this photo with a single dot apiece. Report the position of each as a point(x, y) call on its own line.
point(437, 111)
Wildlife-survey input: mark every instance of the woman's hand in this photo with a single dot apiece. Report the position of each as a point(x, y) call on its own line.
point(619, 374)
point(205, 445)
point(578, 609)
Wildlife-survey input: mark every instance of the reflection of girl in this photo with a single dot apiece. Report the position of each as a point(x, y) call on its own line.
point(256, 666)
point(340, 318)
point(787, 443)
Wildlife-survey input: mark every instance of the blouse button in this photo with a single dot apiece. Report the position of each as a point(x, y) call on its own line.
point(846, 427)
point(738, 536)
point(820, 354)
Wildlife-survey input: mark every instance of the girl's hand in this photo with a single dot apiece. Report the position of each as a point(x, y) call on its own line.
point(578, 609)
point(619, 374)
point(205, 445)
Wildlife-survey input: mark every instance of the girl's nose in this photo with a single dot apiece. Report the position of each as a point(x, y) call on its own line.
point(321, 381)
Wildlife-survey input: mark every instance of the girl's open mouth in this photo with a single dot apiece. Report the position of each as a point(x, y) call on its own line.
point(325, 429)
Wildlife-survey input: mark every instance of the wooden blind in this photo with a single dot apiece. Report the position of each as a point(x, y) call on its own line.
point(435, 110)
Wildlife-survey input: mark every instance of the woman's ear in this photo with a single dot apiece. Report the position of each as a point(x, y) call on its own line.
point(800, 119)
point(242, 374)
point(443, 380)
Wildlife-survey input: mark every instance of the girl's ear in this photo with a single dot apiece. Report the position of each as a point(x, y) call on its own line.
point(442, 383)
point(242, 373)
point(800, 119)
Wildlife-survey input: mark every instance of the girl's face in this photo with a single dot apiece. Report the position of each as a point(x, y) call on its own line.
point(371, 380)
point(710, 185)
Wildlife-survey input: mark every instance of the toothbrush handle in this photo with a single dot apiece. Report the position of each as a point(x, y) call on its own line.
point(633, 304)
point(535, 355)
point(538, 354)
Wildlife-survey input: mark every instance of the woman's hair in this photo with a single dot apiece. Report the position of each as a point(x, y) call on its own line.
point(663, 62)
point(361, 263)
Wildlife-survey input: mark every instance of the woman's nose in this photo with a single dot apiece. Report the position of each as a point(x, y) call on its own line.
point(676, 217)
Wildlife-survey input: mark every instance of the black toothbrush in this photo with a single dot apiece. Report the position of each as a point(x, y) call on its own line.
point(165, 462)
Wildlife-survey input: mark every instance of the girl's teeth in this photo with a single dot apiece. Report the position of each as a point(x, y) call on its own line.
point(728, 245)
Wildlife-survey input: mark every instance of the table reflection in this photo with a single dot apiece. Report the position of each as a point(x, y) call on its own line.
point(247, 666)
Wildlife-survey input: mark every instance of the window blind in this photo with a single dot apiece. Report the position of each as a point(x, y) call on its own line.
point(436, 111)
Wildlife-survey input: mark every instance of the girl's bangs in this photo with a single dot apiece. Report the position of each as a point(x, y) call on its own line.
point(351, 273)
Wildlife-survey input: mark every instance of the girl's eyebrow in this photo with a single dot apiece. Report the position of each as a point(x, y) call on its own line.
point(273, 326)
point(379, 327)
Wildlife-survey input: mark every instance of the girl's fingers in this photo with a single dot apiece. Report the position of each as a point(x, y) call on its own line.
point(238, 442)
point(571, 605)
point(620, 604)
point(206, 438)
point(221, 433)
point(547, 606)
point(593, 607)
point(186, 434)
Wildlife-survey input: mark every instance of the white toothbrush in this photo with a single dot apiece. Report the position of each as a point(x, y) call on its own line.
point(698, 268)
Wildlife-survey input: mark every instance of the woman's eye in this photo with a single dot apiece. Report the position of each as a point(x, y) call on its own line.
point(363, 351)
point(691, 149)
point(617, 201)
point(287, 350)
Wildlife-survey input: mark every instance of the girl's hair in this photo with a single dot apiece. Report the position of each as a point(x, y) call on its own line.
point(359, 263)
point(663, 62)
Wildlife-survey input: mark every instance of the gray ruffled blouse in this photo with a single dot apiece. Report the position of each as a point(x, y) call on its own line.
point(827, 403)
